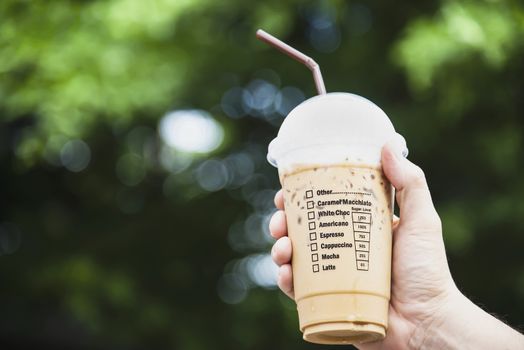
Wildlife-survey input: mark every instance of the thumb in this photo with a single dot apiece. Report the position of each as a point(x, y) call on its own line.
point(412, 192)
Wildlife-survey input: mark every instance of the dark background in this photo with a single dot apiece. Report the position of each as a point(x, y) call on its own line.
point(125, 226)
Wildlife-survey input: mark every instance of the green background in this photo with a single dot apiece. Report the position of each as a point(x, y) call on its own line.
point(110, 238)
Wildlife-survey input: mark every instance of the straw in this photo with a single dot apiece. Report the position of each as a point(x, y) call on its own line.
point(297, 55)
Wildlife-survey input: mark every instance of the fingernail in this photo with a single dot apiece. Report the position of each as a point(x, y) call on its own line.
point(400, 150)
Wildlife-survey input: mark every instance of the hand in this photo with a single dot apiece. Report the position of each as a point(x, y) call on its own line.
point(421, 281)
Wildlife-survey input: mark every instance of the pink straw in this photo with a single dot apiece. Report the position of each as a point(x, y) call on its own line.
point(297, 55)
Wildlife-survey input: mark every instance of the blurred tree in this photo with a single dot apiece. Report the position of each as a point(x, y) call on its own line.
point(136, 193)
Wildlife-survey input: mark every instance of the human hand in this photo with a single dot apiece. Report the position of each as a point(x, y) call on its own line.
point(421, 282)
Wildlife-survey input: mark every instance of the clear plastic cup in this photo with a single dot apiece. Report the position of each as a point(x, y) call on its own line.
point(339, 210)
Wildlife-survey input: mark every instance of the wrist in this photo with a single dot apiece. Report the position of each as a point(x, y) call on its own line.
point(461, 324)
point(436, 331)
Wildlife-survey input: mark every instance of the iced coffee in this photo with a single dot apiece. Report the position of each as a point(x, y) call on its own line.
point(339, 210)
point(339, 222)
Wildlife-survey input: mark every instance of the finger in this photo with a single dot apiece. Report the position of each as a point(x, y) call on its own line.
point(401, 330)
point(285, 280)
point(279, 200)
point(281, 251)
point(413, 196)
point(277, 224)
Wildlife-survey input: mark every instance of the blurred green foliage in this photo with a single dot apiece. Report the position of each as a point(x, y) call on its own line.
point(112, 238)
point(460, 31)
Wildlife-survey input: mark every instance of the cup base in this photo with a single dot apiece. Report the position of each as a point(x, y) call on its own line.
point(343, 333)
point(343, 318)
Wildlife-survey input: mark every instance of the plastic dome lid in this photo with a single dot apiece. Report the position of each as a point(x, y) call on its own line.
point(334, 127)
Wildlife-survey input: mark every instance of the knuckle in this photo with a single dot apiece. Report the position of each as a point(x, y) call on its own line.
point(279, 250)
point(418, 177)
point(419, 173)
point(274, 222)
point(275, 251)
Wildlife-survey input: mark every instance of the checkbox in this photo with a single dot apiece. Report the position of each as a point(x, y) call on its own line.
point(313, 236)
point(316, 268)
point(309, 194)
point(314, 247)
point(312, 225)
point(310, 215)
point(310, 204)
point(314, 257)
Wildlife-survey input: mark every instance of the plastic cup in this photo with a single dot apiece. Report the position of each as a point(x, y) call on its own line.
point(339, 210)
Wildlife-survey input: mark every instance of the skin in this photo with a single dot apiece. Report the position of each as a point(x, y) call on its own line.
point(426, 308)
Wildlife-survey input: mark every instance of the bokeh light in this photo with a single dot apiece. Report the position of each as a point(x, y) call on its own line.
point(287, 99)
point(193, 131)
point(232, 288)
point(261, 99)
point(75, 155)
point(240, 167)
point(262, 270)
point(323, 32)
point(258, 97)
point(174, 161)
point(231, 103)
point(212, 175)
point(252, 271)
